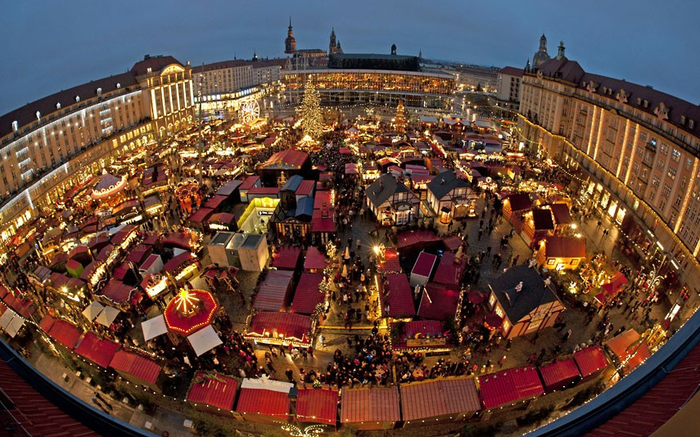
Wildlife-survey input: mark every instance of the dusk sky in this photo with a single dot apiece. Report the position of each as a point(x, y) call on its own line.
point(49, 46)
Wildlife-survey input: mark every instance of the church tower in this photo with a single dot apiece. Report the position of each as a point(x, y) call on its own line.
point(334, 46)
point(560, 53)
point(541, 56)
point(290, 44)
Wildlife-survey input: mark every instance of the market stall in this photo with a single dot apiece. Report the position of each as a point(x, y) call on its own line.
point(96, 349)
point(137, 369)
point(510, 388)
point(275, 291)
point(308, 294)
point(370, 408)
point(317, 405)
point(264, 400)
point(450, 399)
point(280, 328)
point(213, 393)
point(590, 361)
point(559, 375)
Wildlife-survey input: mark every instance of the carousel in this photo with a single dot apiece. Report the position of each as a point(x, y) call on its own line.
point(190, 311)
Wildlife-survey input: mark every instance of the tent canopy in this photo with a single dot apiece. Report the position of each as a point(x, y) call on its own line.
point(204, 340)
point(154, 327)
point(93, 310)
point(107, 316)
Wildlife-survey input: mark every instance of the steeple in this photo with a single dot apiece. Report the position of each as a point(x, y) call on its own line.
point(290, 44)
point(393, 49)
point(528, 67)
point(560, 53)
point(333, 46)
point(541, 56)
point(420, 54)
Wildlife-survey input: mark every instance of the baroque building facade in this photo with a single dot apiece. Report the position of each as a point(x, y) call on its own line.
point(638, 147)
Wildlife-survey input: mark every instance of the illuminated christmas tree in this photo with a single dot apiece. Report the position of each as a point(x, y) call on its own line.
point(400, 119)
point(310, 112)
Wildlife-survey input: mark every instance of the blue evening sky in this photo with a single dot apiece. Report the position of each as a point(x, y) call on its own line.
point(49, 46)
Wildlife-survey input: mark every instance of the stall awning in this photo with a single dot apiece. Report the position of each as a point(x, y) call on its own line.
point(508, 386)
point(271, 403)
point(317, 405)
point(590, 360)
point(201, 215)
point(400, 297)
point(370, 405)
point(307, 294)
point(273, 294)
point(141, 368)
point(97, 350)
point(286, 258)
point(289, 325)
point(216, 390)
point(178, 261)
point(154, 327)
point(442, 397)
point(559, 374)
point(314, 260)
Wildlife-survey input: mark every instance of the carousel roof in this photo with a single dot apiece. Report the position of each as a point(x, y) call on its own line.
point(190, 311)
point(108, 185)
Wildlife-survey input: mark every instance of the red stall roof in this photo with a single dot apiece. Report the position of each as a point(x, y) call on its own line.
point(116, 291)
point(201, 215)
point(290, 325)
point(266, 402)
point(273, 294)
point(559, 373)
point(370, 405)
point(434, 398)
point(249, 182)
point(391, 261)
point(437, 302)
point(509, 386)
point(306, 188)
point(177, 261)
point(318, 406)
point(136, 365)
point(590, 360)
point(222, 217)
point(272, 191)
point(218, 392)
point(411, 238)
point(424, 264)
point(400, 297)
point(215, 202)
point(322, 200)
point(452, 242)
point(314, 260)
point(307, 295)
point(46, 323)
point(122, 234)
point(65, 333)
point(97, 350)
point(448, 272)
point(138, 253)
point(630, 348)
point(179, 239)
point(319, 223)
point(286, 258)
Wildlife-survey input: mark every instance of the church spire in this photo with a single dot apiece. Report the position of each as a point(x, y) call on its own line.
point(560, 53)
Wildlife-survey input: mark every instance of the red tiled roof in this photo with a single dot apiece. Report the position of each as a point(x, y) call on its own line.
point(370, 405)
point(97, 350)
point(137, 366)
point(437, 302)
point(201, 215)
point(658, 405)
point(442, 397)
point(307, 294)
point(449, 273)
point(155, 63)
point(590, 360)
point(512, 71)
point(318, 406)
point(559, 374)
point(65, 333)
point(286, 258)
point(412, 238)
point(290, 325)
point(509, 386)
point(38, 415)
point(249, 182)
point(266, 402)
point(391, 262)
point(306, 188)
point(274, 292)
point(286, 159)
point(424, 264)
point(400, 297)
point(314, 260)
point(219, 392)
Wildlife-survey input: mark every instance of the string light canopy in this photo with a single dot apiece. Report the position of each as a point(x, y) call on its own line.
point(190, 311)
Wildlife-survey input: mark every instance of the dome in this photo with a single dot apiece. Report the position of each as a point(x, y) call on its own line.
point(540, 58)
